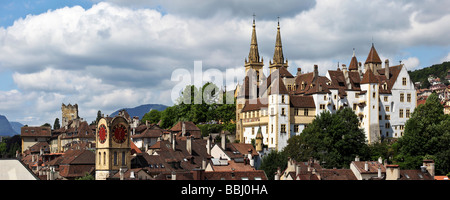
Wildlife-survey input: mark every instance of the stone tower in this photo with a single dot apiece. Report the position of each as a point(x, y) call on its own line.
point(69, 112)
point(113, 151)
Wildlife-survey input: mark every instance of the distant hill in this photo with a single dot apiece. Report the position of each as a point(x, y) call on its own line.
point(438, 70)
point(141, 110)
point(5, 127)
point(16, 126)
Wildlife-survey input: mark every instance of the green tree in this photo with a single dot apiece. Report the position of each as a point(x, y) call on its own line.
point(271, 162)
point(169, 117)
point(153, 116)
point(427, 133)
point(334, 139)
point(56, 124)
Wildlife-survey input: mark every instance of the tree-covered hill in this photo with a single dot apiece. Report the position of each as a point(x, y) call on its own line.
point(438, 70)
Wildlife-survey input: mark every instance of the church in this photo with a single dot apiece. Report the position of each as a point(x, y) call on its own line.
point(270, 109)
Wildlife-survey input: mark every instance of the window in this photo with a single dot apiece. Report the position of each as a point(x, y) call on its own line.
point(324, 98)
point(356, 95)
point(380, 117)
point(385, 99)
point(282, 98)
point(322, 106)
point(387, 125)
point(402, 97)
point(296, 128)
point(282, 112)
point(335, 97)
point(253, 130)
point(404, 81)
point(374, 95)
point(305, 112)
point(99, 158)
point(408, 97)
point(283, 128)
point(387, 117)
point(387, 108)
point(402, 127)
point(115, 158)
point(104, 158)
point(271, 128)
point(123, 159)
point(267, 129)
point(296, 111)
point(407, 113)
point(355, 106)
point(400, 114)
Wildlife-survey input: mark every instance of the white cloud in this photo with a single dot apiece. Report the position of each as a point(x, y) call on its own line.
point(411, 63)
point(446, 58)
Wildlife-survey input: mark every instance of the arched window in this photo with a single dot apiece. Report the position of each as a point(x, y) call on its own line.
point(123, 159)
point(115, 158)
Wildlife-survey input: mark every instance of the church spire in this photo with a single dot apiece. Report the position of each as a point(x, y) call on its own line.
point(278, 57)
point(253, 55)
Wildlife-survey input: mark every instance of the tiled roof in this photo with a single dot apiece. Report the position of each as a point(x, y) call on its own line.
point(256, 104)
point(373, 56)
point(414, 175)
point(302, 101)
point(372, 167)
point(38, 131)
point(369, 77)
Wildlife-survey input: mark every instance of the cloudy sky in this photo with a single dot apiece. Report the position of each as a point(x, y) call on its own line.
point(105, 55)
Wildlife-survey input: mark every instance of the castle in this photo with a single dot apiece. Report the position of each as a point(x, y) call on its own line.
point(272, 109)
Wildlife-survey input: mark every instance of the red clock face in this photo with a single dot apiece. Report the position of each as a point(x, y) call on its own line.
point(102, 133)
point(120, 133)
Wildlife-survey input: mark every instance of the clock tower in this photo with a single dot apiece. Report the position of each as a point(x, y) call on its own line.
point(112, 147)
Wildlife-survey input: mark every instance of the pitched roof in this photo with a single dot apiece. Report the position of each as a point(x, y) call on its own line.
point(353, 64)
point(189, 126)
point(369, 77)
point(36, 131)
point(372, 167)
point(255, 104)
point(302, 101)
point(373, 56)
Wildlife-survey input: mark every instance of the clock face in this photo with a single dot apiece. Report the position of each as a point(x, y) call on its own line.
point(120, 133)
point(102, 133)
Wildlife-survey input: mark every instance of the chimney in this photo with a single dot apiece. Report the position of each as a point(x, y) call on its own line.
point(174, 138)
point(379, 172)
point(250, 157)
point(183, 129)
point(146, 123)
point(316, 71)
point(380, 160)
point(122, 173)
point(277, 174)
point(223, 140)
point(386, 69)
point(299, 71)
point(189, 144)
point(392, 172)
point(429, 164)
point(204, 164)
point(208, 145)
point(297, 170)
point(174, 176)
point(346, 77)
point(357, 158)
point(366, 166)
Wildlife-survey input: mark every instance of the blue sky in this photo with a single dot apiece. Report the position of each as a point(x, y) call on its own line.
point(111, 54)
point(13, 10)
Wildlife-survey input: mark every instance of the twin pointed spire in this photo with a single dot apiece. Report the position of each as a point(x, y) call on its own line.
point(253, 55)
point(278, 57)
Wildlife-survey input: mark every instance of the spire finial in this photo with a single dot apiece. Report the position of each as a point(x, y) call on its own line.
point(254, 18)
point(353, 52)
point(278, 21)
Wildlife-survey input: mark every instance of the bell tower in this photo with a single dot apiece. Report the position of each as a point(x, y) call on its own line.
point(112, 147)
